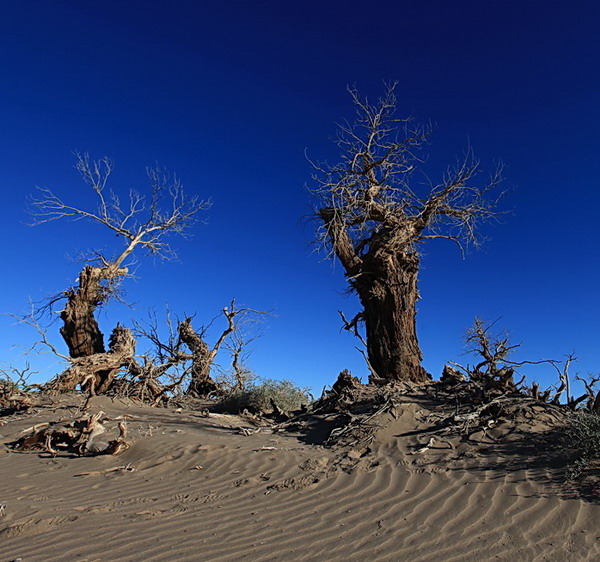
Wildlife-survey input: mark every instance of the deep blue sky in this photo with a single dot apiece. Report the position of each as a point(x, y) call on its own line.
point(229, 95)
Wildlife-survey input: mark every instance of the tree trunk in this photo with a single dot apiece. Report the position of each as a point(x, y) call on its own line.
point(201, 384)
point(98, 369)
point(122, 348)
point(80, 329)
point(388, 292)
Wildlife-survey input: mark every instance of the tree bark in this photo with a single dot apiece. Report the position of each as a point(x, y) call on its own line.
point(99, 369)
point(201, 384)
point(80, 329)
point(388, 292)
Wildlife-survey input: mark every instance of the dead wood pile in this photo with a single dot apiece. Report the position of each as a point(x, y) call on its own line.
point(13, 402)
point(459, 408)
point(352, 410)
point(74, 437)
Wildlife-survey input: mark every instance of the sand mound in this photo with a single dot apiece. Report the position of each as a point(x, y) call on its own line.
point(400, 484)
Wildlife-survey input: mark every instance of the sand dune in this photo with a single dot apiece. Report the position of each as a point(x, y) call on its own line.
point(196, 488)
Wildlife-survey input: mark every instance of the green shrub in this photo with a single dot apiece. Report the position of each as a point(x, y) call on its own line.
point(257, 397)
point(584, 437)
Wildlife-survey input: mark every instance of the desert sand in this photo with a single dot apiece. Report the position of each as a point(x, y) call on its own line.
point(197, 487)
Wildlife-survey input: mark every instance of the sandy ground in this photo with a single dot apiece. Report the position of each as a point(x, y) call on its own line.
point(198, 488)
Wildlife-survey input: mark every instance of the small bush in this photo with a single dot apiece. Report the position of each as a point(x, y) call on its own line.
point(257, 397)
point(584, 437)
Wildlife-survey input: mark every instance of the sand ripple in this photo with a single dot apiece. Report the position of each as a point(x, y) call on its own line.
point(203, 492)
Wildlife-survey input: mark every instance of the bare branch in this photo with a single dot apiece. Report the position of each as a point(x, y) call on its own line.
point(141, 222)
point(368, 194)
point(32, 320)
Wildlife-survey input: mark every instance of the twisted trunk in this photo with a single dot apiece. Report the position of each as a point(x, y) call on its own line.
point(389, 294)
point(83, 337)
point(97, 371)
point(80, 329)
point(201, 384)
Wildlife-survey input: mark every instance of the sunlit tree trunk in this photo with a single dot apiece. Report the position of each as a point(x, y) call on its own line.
point(80, 329)
point(201, 384)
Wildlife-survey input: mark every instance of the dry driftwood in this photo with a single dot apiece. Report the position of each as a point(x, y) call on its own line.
point(78, 437)
point(11, 403)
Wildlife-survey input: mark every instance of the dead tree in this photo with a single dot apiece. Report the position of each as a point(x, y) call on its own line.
point(239, 376)
point(592, 394)
point(14, 389)
point(494, 374)
point(373, 218)
point(203, 356)
point(495, 370)
point(141, 224)
point(186, 348)
point(161, 371)
point(14, 379)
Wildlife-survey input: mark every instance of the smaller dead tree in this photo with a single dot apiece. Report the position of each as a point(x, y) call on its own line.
point(495, 370)
point(203, 357)
point(14, 379)
point(562, 369)
point(592, 393)
point(186, 356)
point(14, 389)
point(161, 372)
point(241, 376)
point(494, 374)
point(142, 223)
point(238, 345)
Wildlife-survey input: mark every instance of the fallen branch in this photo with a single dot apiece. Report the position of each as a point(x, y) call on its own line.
point(126, 468)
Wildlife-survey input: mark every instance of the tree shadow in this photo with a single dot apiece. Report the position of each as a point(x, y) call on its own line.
point(541, 457)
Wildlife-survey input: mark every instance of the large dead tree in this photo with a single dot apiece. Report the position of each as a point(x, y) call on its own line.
point(142, 224)
point(373, 215)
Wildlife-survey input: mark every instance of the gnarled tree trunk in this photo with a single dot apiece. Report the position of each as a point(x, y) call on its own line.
point(80, 329)
point(83, 337)
point(99, 370)
point(201, 384)
point(389, 294)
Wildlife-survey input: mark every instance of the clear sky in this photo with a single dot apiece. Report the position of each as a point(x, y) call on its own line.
point(230, 94)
